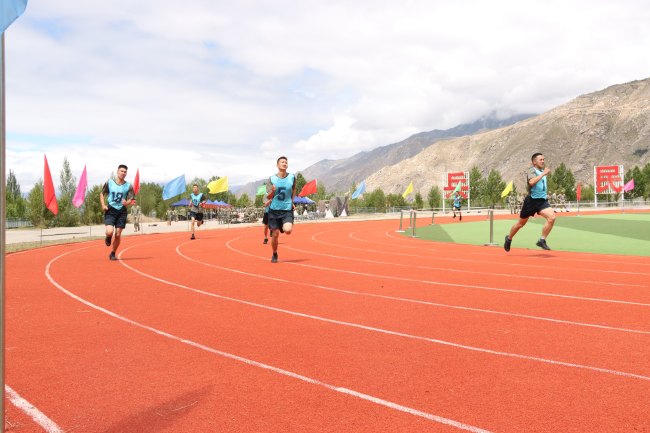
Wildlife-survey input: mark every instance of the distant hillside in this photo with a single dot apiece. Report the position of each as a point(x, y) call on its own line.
point(340, 174)
point(611, 126)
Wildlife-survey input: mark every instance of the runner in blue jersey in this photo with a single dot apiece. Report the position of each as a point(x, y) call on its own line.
point(457, 202)
point(536, 202)
point(196, 204)
point(281, 189)
point(119, 194)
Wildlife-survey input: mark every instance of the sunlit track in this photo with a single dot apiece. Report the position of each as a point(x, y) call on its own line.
point(467, 286)
point(388, 332)
point(465, 271)
point(606, 258)
point(250, 362)
point(340, 337)
point(413, 301)
point(456, 259)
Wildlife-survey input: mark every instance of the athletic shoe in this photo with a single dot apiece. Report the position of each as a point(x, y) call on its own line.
point(107, 241)
point(192, 237)
point(111, 256)
point(506, 244)
point(461, 218)
point(274, 259)
point(266, 241)
point(542, 244)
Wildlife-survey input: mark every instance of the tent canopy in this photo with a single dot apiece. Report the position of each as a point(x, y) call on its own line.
point(183, 202)
point(303, 200)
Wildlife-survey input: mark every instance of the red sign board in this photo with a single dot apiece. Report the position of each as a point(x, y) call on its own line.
point(452, 181)
point(608, 179)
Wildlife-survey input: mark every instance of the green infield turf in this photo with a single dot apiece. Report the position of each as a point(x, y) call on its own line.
point(622, 233)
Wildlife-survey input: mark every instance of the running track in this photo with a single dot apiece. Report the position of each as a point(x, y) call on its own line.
point(357, 329)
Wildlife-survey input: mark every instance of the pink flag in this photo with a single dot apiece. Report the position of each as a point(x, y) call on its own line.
point(80, 194)
point(628, 186)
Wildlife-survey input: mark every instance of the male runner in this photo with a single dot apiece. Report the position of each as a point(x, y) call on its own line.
point(119, 193)
point(281, 189)
point(536, 202)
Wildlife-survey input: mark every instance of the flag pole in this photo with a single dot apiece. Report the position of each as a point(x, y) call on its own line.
point(2, 223)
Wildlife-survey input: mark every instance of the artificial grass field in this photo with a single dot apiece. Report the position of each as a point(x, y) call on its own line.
point(620, 233)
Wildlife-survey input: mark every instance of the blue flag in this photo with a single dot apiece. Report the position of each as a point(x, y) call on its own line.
point(174, 187)
point(360, 190)
point(9, 11)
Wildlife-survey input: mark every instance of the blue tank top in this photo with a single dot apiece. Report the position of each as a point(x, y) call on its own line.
point(457, 201)
point(196, 199)
point(539, 189)
point(283, 188)
point(117, 193)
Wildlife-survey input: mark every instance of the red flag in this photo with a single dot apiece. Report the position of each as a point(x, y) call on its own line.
point(578, 191)
point(309, 188)
point(136, 182)
point(49, 195)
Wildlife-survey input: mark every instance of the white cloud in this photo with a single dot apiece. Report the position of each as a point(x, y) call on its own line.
point(215, 87)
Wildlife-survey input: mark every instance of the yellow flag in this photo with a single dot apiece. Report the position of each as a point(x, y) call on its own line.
point(508, 190)
point(409, 190)
point(219, 185)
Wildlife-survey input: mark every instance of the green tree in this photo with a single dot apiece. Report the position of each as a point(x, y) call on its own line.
point(244, 201)
point(494, 186)
point(376, 199)
point(68, 215)
point(300, 182)
point(476, 187)
point(321, 193)
point(645, 187)
point(563, 181)
point(37, 213)
point(395, 200)
point(16, 207)
point(92, 212)
point(419, 202)
point(434, 198)
point(150, 200)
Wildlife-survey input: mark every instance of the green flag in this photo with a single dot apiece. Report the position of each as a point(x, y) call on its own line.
point(261, 190)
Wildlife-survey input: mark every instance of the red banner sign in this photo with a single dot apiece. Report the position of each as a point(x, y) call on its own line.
point(452, 181)
point(608, 179)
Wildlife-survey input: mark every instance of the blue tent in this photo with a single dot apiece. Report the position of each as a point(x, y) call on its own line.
point(302, 200)
point(183, 202)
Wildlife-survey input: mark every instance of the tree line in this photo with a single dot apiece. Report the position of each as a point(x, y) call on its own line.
point(485, 191)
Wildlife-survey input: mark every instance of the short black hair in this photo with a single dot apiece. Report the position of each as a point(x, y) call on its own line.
point(535, 155)
point(282, 157)
point(195, 185)
point(122, 166)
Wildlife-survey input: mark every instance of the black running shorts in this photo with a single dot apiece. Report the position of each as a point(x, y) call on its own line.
point(265, 219)
point(278, 218)
point(196, 215)
point(532, 206)
point(115, 217)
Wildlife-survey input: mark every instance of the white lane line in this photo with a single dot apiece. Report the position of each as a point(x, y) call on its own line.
point(438, 283)
point(413, 301)
point(383, 331)
point(463, 271)
point(342, 390)
point(32, 411)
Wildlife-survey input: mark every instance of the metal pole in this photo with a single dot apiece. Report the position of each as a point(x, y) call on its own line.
point(415, 217)
point(491, 216)
point(433, 214)
point(401, 216)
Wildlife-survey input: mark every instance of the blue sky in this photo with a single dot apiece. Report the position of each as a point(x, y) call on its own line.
point(209, 87)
